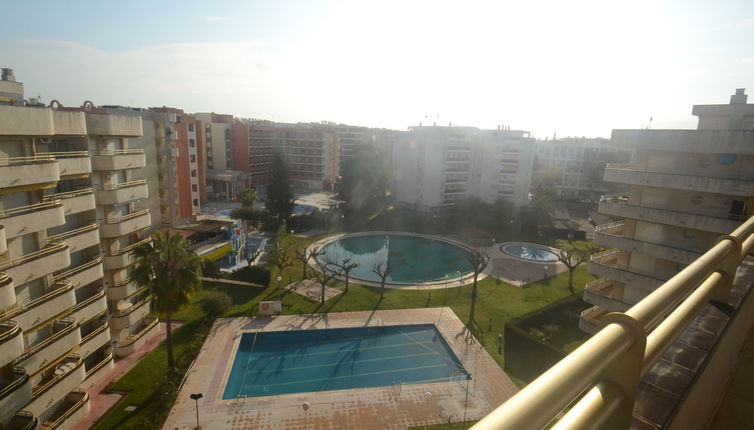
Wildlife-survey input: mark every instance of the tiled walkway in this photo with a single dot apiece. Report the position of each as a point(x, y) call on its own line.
point(368, 408)
point(736, 411)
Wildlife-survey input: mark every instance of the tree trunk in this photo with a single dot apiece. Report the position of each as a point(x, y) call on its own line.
point(305, 264)
point(346, 290)
point(570, 281)
point(169, 343)
point(473, 301)
point(324, 284)
point(382, 290)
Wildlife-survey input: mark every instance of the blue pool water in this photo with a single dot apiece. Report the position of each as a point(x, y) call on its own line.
point(413, 259)
point(530, 252)
point(274, 363)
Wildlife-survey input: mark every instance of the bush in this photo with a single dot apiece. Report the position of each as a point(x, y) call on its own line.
point(254, 274)
point(211, 270)
point(216, 303)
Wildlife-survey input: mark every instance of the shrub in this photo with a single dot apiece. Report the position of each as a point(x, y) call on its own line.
point(211, 270)
point(254, 274)
point(216, 303)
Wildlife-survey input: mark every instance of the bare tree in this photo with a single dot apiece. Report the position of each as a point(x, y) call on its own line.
point(382, 268)
point(280, 257)
point(573, 258)
point(479, 261)
point(306, 255)
point(324, 274)
point(253, 257)
point(344, 267)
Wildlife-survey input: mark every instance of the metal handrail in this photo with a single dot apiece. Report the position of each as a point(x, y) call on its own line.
point(39, 158)
point(120, 151)
point(69, 194)
point(21, 210)
point(59, 288)
point(608, 367)
point(75, 407)
point(77, 269)
point(603, 227)
point(131, 338)
point(40, 389)
point(129, 248)
point(68, 234)
point(100, 365)
point(134, 306)
point(72, 325)
point(51, 248)
point(122, 185)
point(13, 330)
point(126, 217)
point(67, 154)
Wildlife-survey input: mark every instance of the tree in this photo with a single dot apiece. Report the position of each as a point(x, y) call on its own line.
point(211, 269)
point(279, 256)
point(306, 255)
point(382, 268)
point(279, 193)
point(248, 196)
point(573, 258)
point(479, 261)
point(364, 181)
point(344, 267)
point(324, 275)
point(172, 271)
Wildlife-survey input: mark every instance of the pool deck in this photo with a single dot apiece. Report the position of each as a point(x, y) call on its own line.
point(386, 407)
point(520, 272)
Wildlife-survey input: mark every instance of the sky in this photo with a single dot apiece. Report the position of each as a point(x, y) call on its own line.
point(565, 68)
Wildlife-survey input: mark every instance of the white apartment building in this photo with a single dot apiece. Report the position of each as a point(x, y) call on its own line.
point(686, 188)
point(69, 217)
point(433, 167)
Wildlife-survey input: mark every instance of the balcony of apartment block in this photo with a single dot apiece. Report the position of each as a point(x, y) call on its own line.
point(611, 236)
point(7, 293)
point(74, 201)
point(80, 238)
point(34, 265)
point(53, 340)
point(3, 241)
point(56, 300)
point(141, 333)
point(28, 173)
point(23, 421)
point(73, 163)
point(15, 392)
point(97, 365)
point(32, 218)
point(114, 125)
point(119, 290)
point(589, 320)
point(606, 264)
point(706, 141)
point(625, 174)
point(127, 224)
point(617, 205)
point(123, 192)
point(94, 335)
point(122, 257)
point(54, 382)
point(11, 342)
point(131, 310)
point(83, 274)
point(70, 409)
point(607, 294)
point(91, 303)
point(119, 159)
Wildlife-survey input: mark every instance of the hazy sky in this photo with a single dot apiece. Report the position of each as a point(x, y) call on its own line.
point(578, 68)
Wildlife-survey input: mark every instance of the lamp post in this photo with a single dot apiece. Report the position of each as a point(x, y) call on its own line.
point(280, 278)
point(196, 397)
point(306, 407)
point(426, 412)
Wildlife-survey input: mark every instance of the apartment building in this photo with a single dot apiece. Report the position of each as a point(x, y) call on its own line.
point(69, 216)
point(433, 167)
point(576, 165)
point(686, 189)
point(174, 143)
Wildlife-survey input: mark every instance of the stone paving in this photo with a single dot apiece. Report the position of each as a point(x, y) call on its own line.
point(312, 290)
point(520, 272)
point(367, 408)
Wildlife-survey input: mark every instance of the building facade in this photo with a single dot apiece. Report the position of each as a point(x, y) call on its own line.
point(433, 167)
point(70, 215)
point(686, 189)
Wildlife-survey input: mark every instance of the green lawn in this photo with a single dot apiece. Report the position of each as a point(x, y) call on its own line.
point(498, 302)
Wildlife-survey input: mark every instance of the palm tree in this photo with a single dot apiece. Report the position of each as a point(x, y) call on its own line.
point(172, 271)
point(248, 197)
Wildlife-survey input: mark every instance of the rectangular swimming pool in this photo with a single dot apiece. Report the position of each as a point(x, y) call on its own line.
point(274, 363)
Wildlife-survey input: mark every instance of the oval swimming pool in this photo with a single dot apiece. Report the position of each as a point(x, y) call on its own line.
point(535, 253)
point(413, 259)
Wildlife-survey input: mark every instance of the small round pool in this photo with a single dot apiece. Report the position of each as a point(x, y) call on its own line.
point(528, 252)
point(414, 259)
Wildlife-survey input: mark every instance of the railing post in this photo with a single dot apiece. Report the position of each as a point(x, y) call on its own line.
point(727, 268)
point(625, 373)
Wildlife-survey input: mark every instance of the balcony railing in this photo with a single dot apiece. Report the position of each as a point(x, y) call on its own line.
point(609, 366)
point(15, 393)
point(78, 239)
point(72, 403)
point(7, 293)
point(611, 235)
point(27, 173)
point(120, 226)
point(83, 274)
point(23, 421)
point(11, 342)
point(133, 341)
point(74, 201)
point(54, 302)
point(118, 159)
point(32, 218)
point(73, 163)
point(34, 265)
point(113, 194)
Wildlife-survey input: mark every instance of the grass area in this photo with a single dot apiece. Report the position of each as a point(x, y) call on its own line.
point(497, 303)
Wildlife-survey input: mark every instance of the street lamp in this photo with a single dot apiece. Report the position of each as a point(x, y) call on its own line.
point(426, 413)
point(306, 407)
point(196, 398)
point(280, 278)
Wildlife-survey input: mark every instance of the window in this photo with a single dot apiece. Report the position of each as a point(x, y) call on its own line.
point(193, 173)
point(194, 188)
point(191, 127)
point(195, 202)
point(193, 158)
point(192, 143)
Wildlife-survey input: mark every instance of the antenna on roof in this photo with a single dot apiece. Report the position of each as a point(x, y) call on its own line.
point(650, 122)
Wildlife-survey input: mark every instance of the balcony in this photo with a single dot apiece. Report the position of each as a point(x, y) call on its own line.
point(3, 241)
point(707, 141)
point(611, 235)
point(60, 378)
point(589, 321)
point(119, 159)
point(605, 264)
point(122, 290)
point(32, 218)
point(617, 205)
point(7, 292)
point(123, 257)
point(74, 163)
point(71, 409)
point(82, 275)
point(28, 173)
point(80, 238)
point(146, 329)
point(75, 201)
point(14, 393)
point(99, 363)
point(606, 294)
point(63, 336)
point(631, 176)
point(54, 256)
point(121, 226)
point(90, 307)
point(131, 313)
point(114, 125)
point(57, 300)
point(11, 342)
point(123, 192)
point(96, 338)
point(23, 421)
